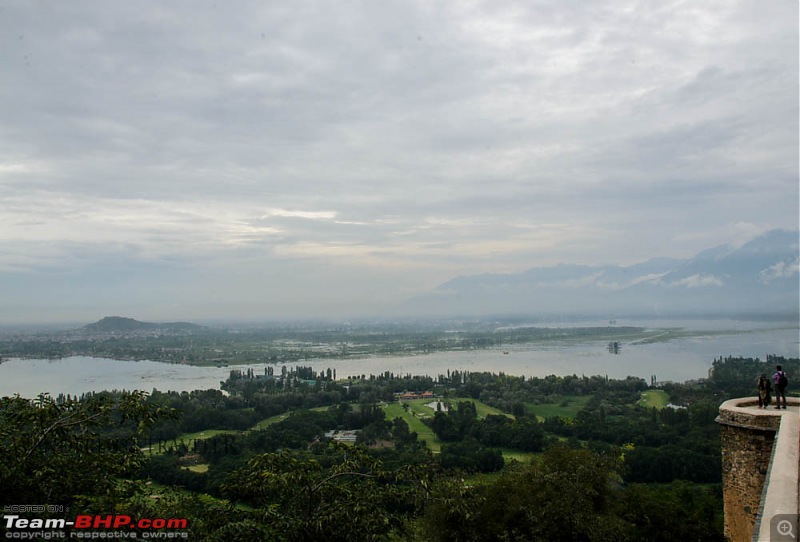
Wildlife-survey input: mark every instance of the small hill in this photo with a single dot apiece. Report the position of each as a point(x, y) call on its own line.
point(120, 324)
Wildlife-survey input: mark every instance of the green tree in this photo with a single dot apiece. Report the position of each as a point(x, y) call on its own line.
point(51, 452)
point(566, 495)
point(471, 456)
point(357, 499)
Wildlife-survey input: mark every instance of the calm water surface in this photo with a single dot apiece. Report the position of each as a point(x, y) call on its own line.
point(679, 360)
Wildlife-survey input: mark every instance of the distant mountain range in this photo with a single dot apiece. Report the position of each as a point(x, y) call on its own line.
point(758, 277)
point(119, 324)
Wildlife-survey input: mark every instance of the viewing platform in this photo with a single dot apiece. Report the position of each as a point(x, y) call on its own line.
point(760, 470)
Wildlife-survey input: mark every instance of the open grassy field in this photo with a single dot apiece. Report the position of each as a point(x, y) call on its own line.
point(654, 398)
point(516, 455)
point(418, 410)
point(567, 407)
point(484, 409)
point(421, 408)
point(266, 422)
point(414, 421)
point(487, 478)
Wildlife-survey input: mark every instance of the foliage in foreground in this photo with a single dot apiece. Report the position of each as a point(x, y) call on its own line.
point(52, 451)
point(86, 452)
point(355, 499)
point(570, 495)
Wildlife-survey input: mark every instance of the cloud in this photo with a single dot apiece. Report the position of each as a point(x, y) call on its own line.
point(698, 281)
point(310, 215)
point(652, 277)
point(780, 270)
point(580, 282)
point(441, 139)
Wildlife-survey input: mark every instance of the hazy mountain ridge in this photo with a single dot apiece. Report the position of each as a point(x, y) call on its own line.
point(120, 324)
point(759, 276)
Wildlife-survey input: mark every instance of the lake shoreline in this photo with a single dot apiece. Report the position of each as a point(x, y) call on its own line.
point(345, 348)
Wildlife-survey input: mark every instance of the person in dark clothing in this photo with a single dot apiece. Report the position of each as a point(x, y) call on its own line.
point(764, 391)
point(781, 381)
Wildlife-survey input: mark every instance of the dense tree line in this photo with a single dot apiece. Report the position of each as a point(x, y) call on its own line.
point(570, 494)
point(736, 377)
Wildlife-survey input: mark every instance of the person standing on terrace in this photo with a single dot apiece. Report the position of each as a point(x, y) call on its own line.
point(781, 381)
point(764, 391)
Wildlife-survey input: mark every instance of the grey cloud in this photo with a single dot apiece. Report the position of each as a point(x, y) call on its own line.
point(780, 270)
point(436, 138)
point(698, 281)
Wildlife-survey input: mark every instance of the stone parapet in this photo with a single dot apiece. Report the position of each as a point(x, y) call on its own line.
point(745, 413)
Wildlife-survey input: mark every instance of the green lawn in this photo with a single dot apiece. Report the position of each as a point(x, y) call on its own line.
point(654, 398)
point(266, 422)
point(414, 421)
point(417, 406)
point(486, 478)
point(208, 433)
point(522, 457)
point(417, 411)
point(567, 407)
point(483, 409)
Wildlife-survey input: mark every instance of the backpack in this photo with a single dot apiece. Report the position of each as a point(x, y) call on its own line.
point(782, 380)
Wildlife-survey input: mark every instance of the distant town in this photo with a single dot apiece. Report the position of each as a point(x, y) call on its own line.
point(185, 343)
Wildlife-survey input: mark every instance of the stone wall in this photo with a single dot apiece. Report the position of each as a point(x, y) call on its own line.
point(747, 435)
point(745, 461)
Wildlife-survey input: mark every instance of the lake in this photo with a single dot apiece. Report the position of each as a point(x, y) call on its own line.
point(677, 359)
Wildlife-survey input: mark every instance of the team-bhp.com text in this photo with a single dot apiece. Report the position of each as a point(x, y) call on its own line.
point(86, 526)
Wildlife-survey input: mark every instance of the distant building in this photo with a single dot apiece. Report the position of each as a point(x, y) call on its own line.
point(342, 436)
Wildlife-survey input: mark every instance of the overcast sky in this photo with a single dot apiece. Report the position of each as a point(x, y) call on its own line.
point(194, 160)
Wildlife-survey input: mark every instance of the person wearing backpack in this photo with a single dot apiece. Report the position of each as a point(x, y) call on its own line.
point(781, 381)
point(764, 391)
